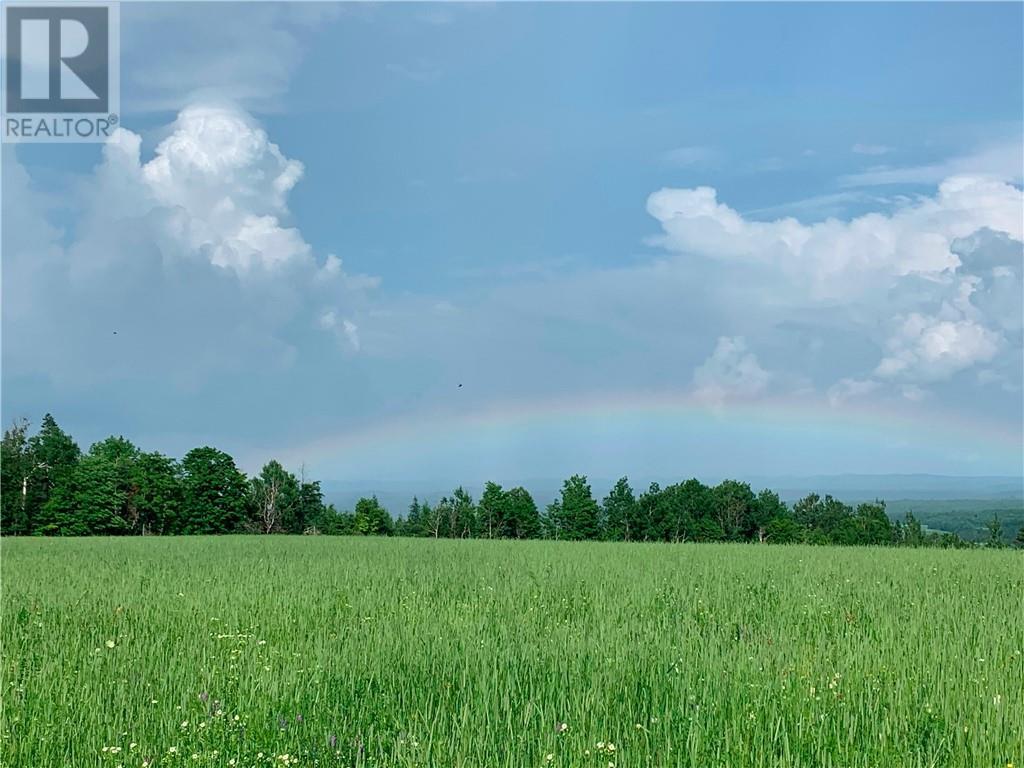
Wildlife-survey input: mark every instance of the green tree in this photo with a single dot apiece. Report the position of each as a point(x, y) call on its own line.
point(873, 524)
point(15, 469)
point(97, 497)
point(53, 456)
point(492, 512)
point(768, 507)
point(331, 522)
point(413, 524)
point(620, 512)
point(913, 533)
point(273, 497)
point(995, 533)
point(734, 504)
point(157, 494)
point(522, 518)
point(553, 521)
point(371, 519)
point(215, 493)
point(307, 509)
point(1018, 542)
point(783, 529)
point(580, 511)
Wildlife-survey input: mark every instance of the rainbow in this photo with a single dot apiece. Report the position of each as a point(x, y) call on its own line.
point(611, 415)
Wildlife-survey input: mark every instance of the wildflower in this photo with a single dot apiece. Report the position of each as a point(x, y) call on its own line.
point(549, 758)
point(173, 750)
point(110, 643)
point(561, 727)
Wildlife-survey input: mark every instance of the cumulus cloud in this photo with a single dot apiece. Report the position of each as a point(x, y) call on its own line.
point(189, 255)
point(833, 259)
point(930, 348)
point(224, 180)
point(731, 372)
point(936, 282)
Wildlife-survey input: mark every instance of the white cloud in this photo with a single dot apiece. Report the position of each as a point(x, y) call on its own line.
point(187, 256)
point(731, 372)
point(935, 284)
point(850, 389)
point(930, 349)
point(226, 182)
point(1002, 161)
point(351, 333)
point(836, 259)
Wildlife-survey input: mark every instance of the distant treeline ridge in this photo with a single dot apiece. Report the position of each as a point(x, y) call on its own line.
point(50, 488)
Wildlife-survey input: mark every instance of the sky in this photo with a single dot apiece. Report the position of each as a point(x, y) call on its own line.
point(446, 243)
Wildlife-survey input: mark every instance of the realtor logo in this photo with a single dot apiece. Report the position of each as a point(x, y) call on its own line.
point(61, 77)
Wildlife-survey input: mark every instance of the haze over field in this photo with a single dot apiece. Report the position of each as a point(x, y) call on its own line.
point(448, 243)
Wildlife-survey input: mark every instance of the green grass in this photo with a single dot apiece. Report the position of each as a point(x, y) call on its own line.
point(452, 653)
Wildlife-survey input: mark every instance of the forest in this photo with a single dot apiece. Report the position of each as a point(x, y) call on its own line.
point(51, 488)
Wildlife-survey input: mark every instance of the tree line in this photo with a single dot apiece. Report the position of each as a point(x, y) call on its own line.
point(49, 487)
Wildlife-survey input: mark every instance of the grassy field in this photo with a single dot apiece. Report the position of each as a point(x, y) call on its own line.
point(273, 651)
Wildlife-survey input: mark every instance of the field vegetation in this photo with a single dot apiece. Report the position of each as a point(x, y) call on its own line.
point(371, 651)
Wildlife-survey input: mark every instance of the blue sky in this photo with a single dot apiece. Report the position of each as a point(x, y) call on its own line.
point(662, 239)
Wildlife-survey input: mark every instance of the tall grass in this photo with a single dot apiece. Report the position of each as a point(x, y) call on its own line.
point(371, 652)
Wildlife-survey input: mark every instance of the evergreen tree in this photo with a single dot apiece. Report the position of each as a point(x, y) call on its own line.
point(995, 533)
point(580, 511)
point(308, 508)
point(414, 519)
point(53, 456)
